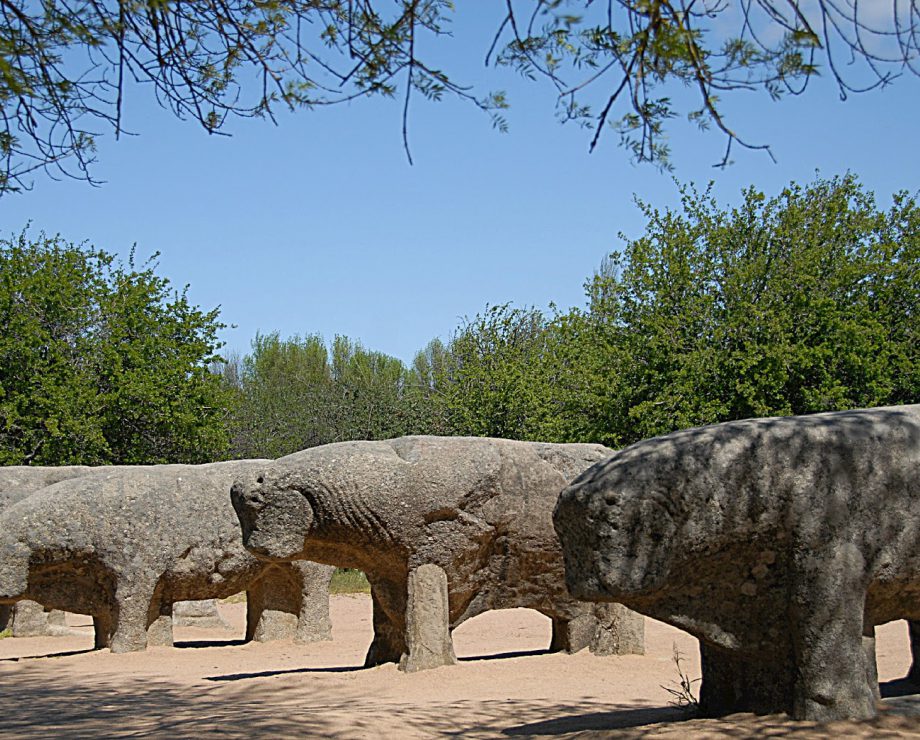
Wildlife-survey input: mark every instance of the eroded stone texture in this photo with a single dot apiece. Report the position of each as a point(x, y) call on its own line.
point(124, 543)
point(27, 618)
point(202, 614)
point(278, 609)
point(780, 543)
point(31, 619)
point(427, 612)
point(19, 481)
point(478, 509)
point(618, 631)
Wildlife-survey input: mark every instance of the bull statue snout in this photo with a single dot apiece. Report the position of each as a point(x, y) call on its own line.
point(247, 496)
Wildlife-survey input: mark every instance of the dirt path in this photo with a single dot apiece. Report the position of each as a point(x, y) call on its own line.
point(506, 686)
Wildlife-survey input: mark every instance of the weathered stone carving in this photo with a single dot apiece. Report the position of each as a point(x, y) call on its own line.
point(416, 512)
point(19, 481)
point(202, 614)
point(780, 543)
point(28, 618)
point(125, 543)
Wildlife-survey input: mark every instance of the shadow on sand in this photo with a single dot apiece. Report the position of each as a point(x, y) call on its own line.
point(899, 687)
point(266, 674)
point(502, 656)
point(208, 643)
point(39, 702)
point(615, 720)
point(64, 654)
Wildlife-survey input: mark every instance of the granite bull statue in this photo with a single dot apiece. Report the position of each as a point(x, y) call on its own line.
point(444, 527)
point(780, 543)
point(28, 618)
point(125, 543)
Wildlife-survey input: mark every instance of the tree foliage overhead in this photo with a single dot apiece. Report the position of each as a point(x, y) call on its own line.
point(611, 61)
point(65, 66)
point(102, 363)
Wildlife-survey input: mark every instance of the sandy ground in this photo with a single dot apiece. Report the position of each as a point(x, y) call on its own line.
point(505, 686)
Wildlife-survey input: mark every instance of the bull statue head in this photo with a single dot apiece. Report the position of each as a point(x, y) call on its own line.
point(274, 513)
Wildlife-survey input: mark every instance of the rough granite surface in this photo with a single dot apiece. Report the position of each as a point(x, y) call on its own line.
point(780, 543)
point(31, 619)
point(477, 510)
point(124, 543)
point(28, 618)
point(19, 481)
point(202, 614)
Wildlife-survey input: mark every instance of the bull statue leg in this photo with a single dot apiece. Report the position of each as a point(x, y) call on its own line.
point(428, 640)
point(290, 601)
point(134, 598)
point(868, 644)
point(313, 623)
point(273, 606)
point(604, 628)
point(389, 643)
point(828, 597)
point(160, 623)
point(30, 619)
point(572, 633)
point(103, 627)
point(57, 622)
point(619, 631)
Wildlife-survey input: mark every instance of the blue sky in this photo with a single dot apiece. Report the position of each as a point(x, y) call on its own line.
point(320, 225)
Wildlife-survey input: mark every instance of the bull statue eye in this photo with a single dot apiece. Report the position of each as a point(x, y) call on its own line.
point(260, 480)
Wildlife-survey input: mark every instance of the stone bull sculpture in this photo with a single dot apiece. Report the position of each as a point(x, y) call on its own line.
point(28, 618)
point(444, 527)
point(780, 543)
point(125, 543)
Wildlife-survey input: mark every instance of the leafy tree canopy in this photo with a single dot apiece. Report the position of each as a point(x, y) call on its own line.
point(298, 392)
point(489, 381)
point(808, 301)
point(64, 66)
point(102, 363)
